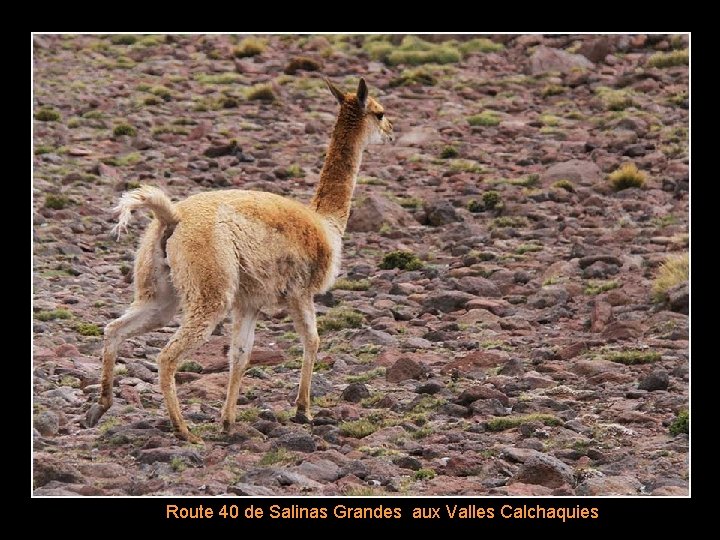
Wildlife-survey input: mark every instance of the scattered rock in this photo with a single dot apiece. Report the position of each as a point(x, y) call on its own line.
point(405, 369)
point(545, 59)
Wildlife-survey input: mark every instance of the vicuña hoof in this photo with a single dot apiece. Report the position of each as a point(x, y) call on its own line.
point(301, 417)
point(189, 437)
point(92, 417)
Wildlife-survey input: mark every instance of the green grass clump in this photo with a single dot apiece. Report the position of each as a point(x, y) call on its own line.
point(552, 90)
point(43, 149)
point(57, 202)
point(262, 92)
point(161, 92)
point(47, 115)
point(675, 270)
point(218, 78)
point(352, 285)
point(88, 329)
point(633, 357)
point(465, 165)
point(415, 51)
point(278, 455)
point(123, 39)
point(627, 176)
point(671, 59)
point(509, 221)
point(596, 287)
point(294, 171)
point(483, 45)
point(491, 199)
point(404, 260)
point(485, 118)
point(339, 318)
point(475, 206)
point(502, 423)
point(564, 184)
point(124, 129)
point(681, 424)
point(52, 315)
point(527, 248)
point(357, 429)
point(424, 474)
point(250, 46)
point(615, 100)
point(449, 152)
point(415, 76)
point(302, 63)
point(191, 366)
point(367, 376)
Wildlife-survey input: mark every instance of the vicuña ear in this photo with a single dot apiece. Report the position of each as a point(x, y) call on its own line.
point(362, 93)
point(335, 92)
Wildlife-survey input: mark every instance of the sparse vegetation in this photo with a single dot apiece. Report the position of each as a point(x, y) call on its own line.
point(564, 184)
point(424, 474)
point(509, 221)
point(218, 78)
point(415, 76)
point(124, 129)
point(485, 118)
point(262, 92)
point(449, 152)
point(367, 376)
point(178, 464)
point(502, 423)
point(277, 455)
point(302, 63)
point(681, 424)
point(294, 171)
point(552, 90)
point(88, 329)
point(615, 100)
point(633, 357)
point(123, 39)
point(627, 176)
point(57, 202)
point(675, 270)
point(191, 366)
point(596, 287)
point(491, 199)
point(670, 59)
point(404, 260)
point(338, 318)
point(352, 285)
point(47, 115)
point(357, 429)
point(250, 46)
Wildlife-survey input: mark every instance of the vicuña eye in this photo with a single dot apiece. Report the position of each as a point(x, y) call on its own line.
point(379, 115)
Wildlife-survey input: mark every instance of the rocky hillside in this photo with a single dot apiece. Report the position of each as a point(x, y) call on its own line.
point(498, 327)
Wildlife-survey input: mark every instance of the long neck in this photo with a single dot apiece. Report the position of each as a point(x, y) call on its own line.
point(333, 195)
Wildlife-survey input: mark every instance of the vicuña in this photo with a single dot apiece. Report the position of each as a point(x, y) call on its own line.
point(236, 251)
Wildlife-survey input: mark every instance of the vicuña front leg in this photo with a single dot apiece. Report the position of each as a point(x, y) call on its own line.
point(303, 315)
point(189, 336)
point(241, 344)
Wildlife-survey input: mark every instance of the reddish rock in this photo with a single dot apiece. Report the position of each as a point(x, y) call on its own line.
point(404, 369)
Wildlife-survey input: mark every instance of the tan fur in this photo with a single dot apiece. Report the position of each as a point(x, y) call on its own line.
point(236, 252)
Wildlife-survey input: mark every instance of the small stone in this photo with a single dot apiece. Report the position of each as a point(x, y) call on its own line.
point(355, 392)
point(407, 462)
point(545, 470)
point(297, 441)
point(609, 485)
point(430, 387)
point(657, 380)
point(404, 369)
point(439, 213)
point(47, 423)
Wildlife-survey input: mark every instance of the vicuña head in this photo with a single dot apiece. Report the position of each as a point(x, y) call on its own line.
point(236, 252)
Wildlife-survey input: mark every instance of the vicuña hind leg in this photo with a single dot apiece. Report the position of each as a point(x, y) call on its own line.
point(195, 329)
point(241, 344)
point(302, 312)
point(142, 316)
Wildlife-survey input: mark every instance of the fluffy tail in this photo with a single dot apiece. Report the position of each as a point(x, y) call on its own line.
point(145, 197)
